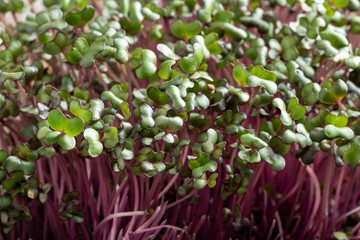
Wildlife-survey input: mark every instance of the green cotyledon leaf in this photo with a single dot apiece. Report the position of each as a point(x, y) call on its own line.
point(190, 63)
point(157, 96)
point(336, 39)
point(13, 164)
point(336, 91)
point(77, 19)
point(295, 110)
point(59, 122)
point(148, 66)
point(332, 131)
point(258, 77)
point(275, 160)
point(51, 19)
point(74, 56)
point(249, 140)
point(80, 111)
point(171, 124)
point(352, 156)
point(185, 30)
point(95, 146)
point(165, 69)
point(88, 59)
point(110, 137)
point(284, 117)
point(66, 142)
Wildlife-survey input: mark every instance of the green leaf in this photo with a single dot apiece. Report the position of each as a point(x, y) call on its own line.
point(249, 155)
point(295, 110)
point(148, 65)
point(198, 121)
point(50, 20)
point(146, 116)
point(278, 146)
point(78, 19)
point(66, 142)
point(249, 140)
point(336, 39)
point(3, 156)
point(79, 111)
point(150, 14)
point(202, 164)
point(288, 47)
point(300, 128)
point(8, 184)
point(242, 96)
point(49, 152)
point(171, 124)
point(202, 101)
point(74, 56)
point(127, 154)
point(110, 96)
point(208, 145)
point(135, 11)
point(254, 81)
point(156, 32)
point(212, 44)
point(256, 21)
point(56, 120)
point(337, 121)
point(185, 30)
point(206, 11)
point(157, 96)
point(165, 70)
point(74, 126)
point(235, 32)
point(317, 134)
point(284, 117)
point(71, 127)
point(353, 62)
point(190, 63)
point(110, 137)
point(88, 59)
point(200, 40)
point(332, 131)
point(241, 75)
point(167, 52)
point(52, 137)
point(175, 95)
point(95, 146)
point(169, 138)
point(14, 164)
point(70, 196)
point(340, 3)
point(14, 74)
point(5, 201)
point(275, 160)
point(55, 46)
point(352, 156)
point(337, 91)
point(131, 27)
point(325, 45)
point(212, 180)
point(290, 137)
point(122, 53)
point(310, 93)
point(147, 166)
point(125, 110)
point(200, 183)
point(96, 106)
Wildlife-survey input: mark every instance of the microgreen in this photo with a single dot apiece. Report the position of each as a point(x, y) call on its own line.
point(115, 114)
